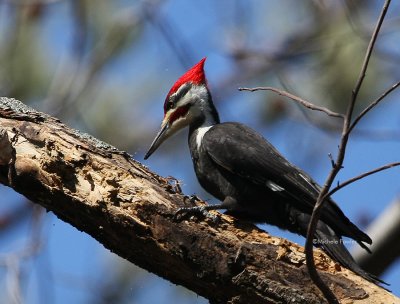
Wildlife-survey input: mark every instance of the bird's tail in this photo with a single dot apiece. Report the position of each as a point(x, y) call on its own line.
point(330, 242)
point(333, 245)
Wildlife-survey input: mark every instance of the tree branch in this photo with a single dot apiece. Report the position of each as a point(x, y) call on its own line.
point(361, 176)
point(385, 229)
point(373, 104)
point(295, 98)
point(130, 210)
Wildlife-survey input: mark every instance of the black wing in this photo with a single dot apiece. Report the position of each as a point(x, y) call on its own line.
point(242, 151)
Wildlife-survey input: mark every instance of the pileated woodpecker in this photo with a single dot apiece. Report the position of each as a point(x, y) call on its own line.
point(248, 175)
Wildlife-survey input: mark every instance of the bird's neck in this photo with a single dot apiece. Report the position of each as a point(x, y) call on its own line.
point(208, 118)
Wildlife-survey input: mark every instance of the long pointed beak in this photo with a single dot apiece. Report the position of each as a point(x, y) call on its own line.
point(161, 136)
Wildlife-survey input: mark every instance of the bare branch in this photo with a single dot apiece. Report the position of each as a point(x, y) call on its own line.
point(295, 98)
point(367, 58)
point(329, 295)
point(373, 104)
point(361, 176)
point(386, 230)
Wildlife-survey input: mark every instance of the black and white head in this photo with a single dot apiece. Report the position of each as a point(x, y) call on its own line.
point(188, 103)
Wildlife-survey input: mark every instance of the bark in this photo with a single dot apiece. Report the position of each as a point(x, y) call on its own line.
point(130, 210)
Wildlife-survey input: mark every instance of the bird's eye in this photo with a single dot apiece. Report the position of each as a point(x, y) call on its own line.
point(168, 104)
point(172, 100)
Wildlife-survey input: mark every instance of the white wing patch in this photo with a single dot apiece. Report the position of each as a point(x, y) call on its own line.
point(200, 134)
point(307, 180)
point(274, 187)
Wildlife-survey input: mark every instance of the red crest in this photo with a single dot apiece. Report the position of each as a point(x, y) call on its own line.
point(195, 75)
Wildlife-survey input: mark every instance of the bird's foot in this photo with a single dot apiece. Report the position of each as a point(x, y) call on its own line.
point(198, 211)
point(191, 198)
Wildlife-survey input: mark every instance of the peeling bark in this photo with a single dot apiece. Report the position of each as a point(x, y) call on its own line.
point(130, 210)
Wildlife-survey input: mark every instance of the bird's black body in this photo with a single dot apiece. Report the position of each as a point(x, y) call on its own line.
point(248, 175)
point(234, 161)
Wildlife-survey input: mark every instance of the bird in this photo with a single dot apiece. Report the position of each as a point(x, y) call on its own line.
point(248, 175)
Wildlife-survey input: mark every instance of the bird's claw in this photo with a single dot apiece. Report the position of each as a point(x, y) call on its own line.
point(191, 198)
point(191, 211)
point(198, 211)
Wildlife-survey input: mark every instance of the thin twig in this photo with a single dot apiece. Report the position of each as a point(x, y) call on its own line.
point(331, 298)
point(295, 98)
point(361, 176)
point(373, 104)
